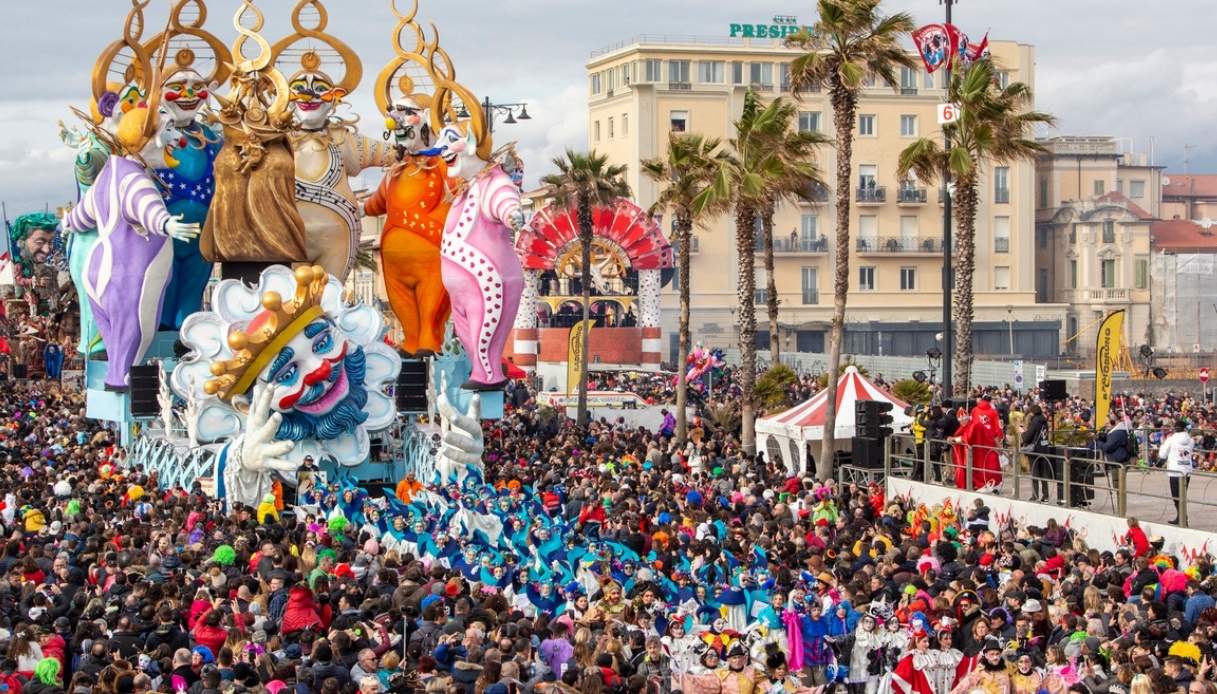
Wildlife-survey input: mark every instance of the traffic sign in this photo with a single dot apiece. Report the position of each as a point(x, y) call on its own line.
point(948, 113)
point(1204, 374)
point(1018, 375)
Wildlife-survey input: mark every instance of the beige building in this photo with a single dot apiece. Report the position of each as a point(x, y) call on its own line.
point(1094, 208)
point(1189, 196)
point(645, 88)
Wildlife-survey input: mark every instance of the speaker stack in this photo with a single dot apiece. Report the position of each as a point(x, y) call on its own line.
point(410, 391)
point(145, 386)
point(1053, 390)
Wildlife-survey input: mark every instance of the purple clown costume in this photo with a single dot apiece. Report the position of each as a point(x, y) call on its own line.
point(129, 266)
point(482, 272)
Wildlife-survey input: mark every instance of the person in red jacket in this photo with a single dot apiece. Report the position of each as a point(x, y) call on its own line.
point(1136, 537)
point(300, 612)
point(209, 631)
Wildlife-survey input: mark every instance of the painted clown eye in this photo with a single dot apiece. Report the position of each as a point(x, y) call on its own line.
point(321, 87)
point(299, 87)
point(287, 376)
point(323, 343)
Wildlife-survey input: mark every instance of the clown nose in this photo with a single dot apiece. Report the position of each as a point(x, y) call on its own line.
point(318, 375)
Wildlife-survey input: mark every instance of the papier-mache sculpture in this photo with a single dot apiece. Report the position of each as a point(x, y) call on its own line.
point(284, 370)
point(481, 270)
point(414, 196)
point(326, 147)
point(185, 148)
point(129, 265)
point(91, 156)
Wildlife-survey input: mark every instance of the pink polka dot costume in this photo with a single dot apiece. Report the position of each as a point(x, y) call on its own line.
point(482, 272)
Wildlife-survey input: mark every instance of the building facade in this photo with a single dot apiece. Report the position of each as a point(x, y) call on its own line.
point(1189, 196)
point(645, 89)
point(1093, 238)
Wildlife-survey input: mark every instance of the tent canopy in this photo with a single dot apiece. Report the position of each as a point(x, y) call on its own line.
point(792, 429)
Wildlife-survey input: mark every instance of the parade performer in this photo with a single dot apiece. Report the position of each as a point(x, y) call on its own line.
point(129, 266)
point(326, 147)
point(481, 270)
point(414, 196)
point(989, 676)
point(981, 432)
point(866, 654)
point(945, 663)
point(253, 220)
point(910, 674)
point(91, 156)
point(283, 371)
point(184, 151)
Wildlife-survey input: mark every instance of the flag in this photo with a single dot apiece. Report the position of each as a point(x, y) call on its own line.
point(574, 354)
point(1107, 351)
point(974, 52)
point(934, 44)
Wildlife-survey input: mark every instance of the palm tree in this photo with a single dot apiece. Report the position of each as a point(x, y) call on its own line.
point(743, 181)
point(684, 171)
point(798, 181)
point(850, 41)
point(585, 181)
point(993, 125)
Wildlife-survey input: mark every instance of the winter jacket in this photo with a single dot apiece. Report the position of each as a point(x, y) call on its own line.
point(300, 612)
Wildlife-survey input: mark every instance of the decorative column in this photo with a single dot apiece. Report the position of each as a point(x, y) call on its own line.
point(648, 318)
point(525, 334)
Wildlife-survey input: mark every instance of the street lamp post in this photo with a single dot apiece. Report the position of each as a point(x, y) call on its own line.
point(1010, 326)
point(946, 243)
point(510, 110)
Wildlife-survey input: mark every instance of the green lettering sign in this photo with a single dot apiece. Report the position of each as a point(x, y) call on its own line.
point(735, 29)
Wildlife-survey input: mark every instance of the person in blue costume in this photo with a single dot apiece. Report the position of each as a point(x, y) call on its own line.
point(183, 156)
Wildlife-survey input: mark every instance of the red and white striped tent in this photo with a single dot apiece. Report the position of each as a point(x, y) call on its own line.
point(784, 436)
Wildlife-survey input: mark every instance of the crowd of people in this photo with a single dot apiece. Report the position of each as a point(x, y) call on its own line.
point(691, 568)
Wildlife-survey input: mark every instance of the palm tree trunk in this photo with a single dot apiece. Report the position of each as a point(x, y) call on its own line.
point(684, 233)
point(771, 287)
point(965, 268)
point(843, 107)
point(745, 246)
point(585, 278)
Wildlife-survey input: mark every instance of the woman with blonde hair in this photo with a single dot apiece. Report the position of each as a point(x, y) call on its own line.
point(1141, 684)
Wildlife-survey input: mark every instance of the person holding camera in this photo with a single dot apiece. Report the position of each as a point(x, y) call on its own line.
point(1176, 452)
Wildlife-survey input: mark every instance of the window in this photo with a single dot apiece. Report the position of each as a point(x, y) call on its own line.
point(596, 131)
point(908, 232)
point(908, 278)
point(1109, 232)
point(866, 125)
point(869, 80)
point(1001, 234)
point(1001, 278)
point(679, 121)
point(1043, 192)
point(678, 71)
point(1001, 184)
point(867, 175)
point(807, 228)
point(737, 72)
point(1041, 236)
point(811, 285)
point(1136, 189)
point(809, 121)
point(652, 69)
point(610, 127)
point(761, 74)
point(1099, 186)
point(927, 80)
point(784, 71)
point(596, 83)
point(610, 78)
point(866, 278)
point(625, 124)
point(1073, 274)
point(1002, 78)
point(908, 126)
point(1073, 234)
point(625, 74)
point(1108, 268)
point(1142, 272)
point(1041, 286)
point(908, 81)
point(868, 231)
point(710, 71)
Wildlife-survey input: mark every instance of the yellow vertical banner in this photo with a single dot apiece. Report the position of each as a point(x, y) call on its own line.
point(1108, 347)
point(574, 355)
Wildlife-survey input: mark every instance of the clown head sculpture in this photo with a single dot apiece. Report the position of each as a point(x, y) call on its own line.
point(33, 239)
point(407, 125)
point(458, 146)
point(288, 371)
point(313, 94)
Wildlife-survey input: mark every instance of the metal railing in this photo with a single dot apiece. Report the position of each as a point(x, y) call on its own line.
point(898, 244)
point(907, 195)
point(796, 245)
point(908, 91)
point(872, 194)
point(1065, 476)
point(680, 86)
point(1001, 195)
point(811, 296)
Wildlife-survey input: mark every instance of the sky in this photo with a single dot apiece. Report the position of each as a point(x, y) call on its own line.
point(1123, 68)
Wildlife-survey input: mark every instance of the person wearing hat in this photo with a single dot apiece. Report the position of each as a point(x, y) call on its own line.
point(1176, 453)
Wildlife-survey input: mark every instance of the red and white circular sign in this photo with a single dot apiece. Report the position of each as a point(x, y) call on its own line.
point(1204, 374)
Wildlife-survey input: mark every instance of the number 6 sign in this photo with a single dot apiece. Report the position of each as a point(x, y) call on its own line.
point(947, 113)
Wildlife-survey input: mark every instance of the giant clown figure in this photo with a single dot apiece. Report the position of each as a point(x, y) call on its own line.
point(327, 149)
point(481, 270)
point(282, 371)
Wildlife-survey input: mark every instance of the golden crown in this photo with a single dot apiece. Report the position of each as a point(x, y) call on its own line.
point(255, 345)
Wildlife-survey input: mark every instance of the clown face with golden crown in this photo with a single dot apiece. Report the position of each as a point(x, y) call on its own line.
point(283, 371)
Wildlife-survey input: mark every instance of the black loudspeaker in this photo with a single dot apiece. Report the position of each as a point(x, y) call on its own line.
point(867, 453)
point(410, 391)
point(19, 371)
point(1054, 389)
point(145, 385)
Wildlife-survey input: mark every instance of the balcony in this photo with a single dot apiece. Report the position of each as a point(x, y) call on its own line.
point(1102, 294)
point(761, 86)
point(872, 195)
point(815, 192)
point(1001, 196)
point(1001, 245)
point(794, 245)
point(811, 297)
point(908, 91)
point(899, 245)
point(907, 195)
point(680, 86)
